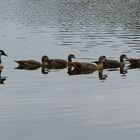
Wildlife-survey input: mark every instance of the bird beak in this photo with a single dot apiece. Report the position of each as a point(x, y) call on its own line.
point(5, 54)
point(74, 57)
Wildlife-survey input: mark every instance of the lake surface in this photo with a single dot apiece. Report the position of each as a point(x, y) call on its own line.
point(57, 106)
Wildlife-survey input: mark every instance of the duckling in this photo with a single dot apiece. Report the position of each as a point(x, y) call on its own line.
point(114, 63)
point(108, 63)
point(84, 66)
point(56, 63)
point(32, 64)
point(73, 70)
point(2, 53)
point(134, 62)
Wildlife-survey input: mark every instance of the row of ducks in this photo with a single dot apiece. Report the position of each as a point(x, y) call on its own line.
point(102, 63)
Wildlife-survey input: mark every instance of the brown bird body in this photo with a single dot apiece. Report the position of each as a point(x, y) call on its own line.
point(85, 66)
point(28, 64)
point(134, 63)
point(109, 63)
point(114, 63)
point(56, 63)
point(31, 64)
point(46, 62)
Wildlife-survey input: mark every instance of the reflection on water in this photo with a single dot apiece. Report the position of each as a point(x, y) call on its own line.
point(48, 103)
point(74, 71)
point(43, 69)
point(2, 78)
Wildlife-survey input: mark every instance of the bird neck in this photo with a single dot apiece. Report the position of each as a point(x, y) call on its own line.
point(121, 60)
point(69, 59)
point(71, 64)
point(122, 64)
point(100, 66)
point(0, 59)
point(44, 64)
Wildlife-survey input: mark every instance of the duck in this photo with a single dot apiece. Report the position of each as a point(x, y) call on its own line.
point(56, 63)
point(2, 53)
point(32, 64)
point(134, 62)
point(85, 66)
point(109, 63)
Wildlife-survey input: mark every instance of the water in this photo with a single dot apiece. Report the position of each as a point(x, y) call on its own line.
point(57, 106)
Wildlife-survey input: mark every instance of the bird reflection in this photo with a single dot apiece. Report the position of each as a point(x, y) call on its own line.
point(44, 70)
point(123, 71)
point(101, 76)
point(73, 71)
point(2, 78)
point(25, 68)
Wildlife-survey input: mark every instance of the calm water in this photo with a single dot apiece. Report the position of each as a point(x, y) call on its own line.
point(56, 106)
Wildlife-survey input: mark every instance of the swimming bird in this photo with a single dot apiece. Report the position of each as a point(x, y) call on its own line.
point(56, 63)
point(109, 63)
point(114, 63)
point(32, 64)
point(2, 53)
point(134, 62)
point(85, 66)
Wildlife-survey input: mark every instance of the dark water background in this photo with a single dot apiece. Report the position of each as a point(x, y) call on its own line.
point(56, 106)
